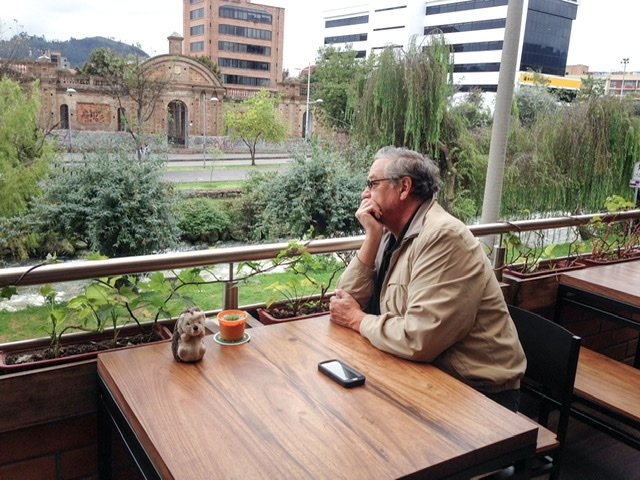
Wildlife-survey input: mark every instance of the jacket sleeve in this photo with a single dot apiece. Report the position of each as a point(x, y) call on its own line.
point(432, 298)
point(358, 280)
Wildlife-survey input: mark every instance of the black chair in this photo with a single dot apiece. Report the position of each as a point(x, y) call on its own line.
point(552, 359)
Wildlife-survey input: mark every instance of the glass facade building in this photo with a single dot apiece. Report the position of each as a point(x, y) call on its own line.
point(546, 36)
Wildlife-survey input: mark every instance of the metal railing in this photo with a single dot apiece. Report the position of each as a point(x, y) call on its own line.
point(62, 272)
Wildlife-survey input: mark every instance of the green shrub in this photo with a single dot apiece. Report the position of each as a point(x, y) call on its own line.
point(201, 220)
point(318, 193)
point(114, 202)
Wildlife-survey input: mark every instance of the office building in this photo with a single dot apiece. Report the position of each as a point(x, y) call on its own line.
point(474, 29)
point(244, 39)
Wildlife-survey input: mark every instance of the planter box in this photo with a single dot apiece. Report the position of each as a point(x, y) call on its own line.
point(537, 291)
point(634, 255)
point(546, 267)
point(161, 331)
point(267, 319)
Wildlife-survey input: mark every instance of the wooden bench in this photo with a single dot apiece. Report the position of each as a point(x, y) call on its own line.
point(607, 396)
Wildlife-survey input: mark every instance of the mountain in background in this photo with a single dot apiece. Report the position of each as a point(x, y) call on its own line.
point(76, 50)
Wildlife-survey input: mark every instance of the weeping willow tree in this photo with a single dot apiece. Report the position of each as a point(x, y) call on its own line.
point(572, 158)
point(403, 100)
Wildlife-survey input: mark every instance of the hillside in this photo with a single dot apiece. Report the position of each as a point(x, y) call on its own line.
point(76, 50)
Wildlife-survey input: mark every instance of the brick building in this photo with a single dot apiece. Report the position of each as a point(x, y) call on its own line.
point(244, 39)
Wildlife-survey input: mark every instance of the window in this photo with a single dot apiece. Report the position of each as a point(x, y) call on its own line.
point(197, 46)
point(460, 6)
point(248, 14)
point(195, 1)
point(242, 80)
point(246, 64)
point(244, 32)
point(244, 48)
point(358, 37)
point(195, 14)
point(477, 46)
point(484, 88)
point(477, 67)
point(340, 22)
point(466, 26)
point(197, 30)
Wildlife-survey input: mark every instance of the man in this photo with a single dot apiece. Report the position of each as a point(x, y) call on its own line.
point(422, 288)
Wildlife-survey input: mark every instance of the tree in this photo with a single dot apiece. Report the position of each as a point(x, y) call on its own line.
point(404, 98)
point(130, 80)
point(24, 151)
point(591, 88)
point(333, 80)
point(207, 62)
point(256, 118)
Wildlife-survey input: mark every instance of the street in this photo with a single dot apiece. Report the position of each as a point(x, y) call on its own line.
point(210, 168)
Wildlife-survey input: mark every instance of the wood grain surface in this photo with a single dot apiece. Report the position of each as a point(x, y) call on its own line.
point(262, 410)
point(618, 281)
point(608, 382)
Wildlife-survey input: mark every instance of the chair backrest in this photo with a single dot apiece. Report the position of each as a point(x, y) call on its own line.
point(552, 359)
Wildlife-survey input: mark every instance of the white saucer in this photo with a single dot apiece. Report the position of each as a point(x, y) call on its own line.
point(245, 338)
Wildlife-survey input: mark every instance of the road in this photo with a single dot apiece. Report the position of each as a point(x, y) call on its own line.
point(221, 168)
point(194, 167)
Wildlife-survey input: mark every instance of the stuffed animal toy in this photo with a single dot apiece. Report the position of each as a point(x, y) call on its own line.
point(187, 344)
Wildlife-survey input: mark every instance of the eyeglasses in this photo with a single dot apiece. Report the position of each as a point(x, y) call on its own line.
point(372, 183)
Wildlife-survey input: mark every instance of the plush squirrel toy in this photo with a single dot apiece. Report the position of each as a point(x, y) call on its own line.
point(186, 344)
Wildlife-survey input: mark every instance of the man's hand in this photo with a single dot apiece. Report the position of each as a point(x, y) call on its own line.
point(369, 215)
point(345, 310)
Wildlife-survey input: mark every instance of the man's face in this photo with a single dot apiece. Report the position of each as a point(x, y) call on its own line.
point(381, 191)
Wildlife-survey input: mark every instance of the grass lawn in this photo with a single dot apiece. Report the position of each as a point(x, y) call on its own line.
point(33, 322)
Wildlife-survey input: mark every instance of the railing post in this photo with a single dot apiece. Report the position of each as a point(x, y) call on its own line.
point(230, 295)
point(230, 299)
point(499, 252)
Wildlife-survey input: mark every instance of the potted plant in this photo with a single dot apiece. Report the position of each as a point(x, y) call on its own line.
point(531, 270)
point(114, 312)
point(232, 325)
point(614, 241)
point(291, 300)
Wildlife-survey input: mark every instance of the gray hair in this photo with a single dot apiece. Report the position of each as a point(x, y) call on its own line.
point(408, 163)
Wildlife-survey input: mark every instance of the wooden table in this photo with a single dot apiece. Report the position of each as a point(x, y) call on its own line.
point(606, 391)
point(606, 290)
point(262, 410)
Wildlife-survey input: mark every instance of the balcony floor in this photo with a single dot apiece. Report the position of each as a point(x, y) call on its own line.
point(593, 455)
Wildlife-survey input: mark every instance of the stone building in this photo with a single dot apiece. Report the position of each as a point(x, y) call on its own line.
point(191, 107)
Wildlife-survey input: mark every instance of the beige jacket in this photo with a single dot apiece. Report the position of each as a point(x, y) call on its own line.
point(441, 303)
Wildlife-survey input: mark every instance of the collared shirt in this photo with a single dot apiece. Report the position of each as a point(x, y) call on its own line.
point(392, 243)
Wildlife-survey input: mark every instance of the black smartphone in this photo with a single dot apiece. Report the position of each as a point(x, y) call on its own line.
point(344, 374)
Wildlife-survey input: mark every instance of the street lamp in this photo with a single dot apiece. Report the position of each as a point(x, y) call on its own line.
point(319, 100)
point(70, 91)
point(624, 63)
point(204, 130)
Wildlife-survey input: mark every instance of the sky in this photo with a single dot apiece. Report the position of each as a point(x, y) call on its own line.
point(601, 36)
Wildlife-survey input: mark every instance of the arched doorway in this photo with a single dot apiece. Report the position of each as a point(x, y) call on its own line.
point(64, 116)
point(177, 124)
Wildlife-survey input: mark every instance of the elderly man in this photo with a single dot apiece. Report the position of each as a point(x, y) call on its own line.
point(422, 288)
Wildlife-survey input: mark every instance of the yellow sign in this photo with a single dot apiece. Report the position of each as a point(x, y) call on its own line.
point(528, 78)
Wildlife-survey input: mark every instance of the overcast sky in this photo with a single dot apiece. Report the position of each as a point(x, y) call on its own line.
point(601, 36)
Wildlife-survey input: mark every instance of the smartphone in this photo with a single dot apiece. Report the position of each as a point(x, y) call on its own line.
point(344, 374)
